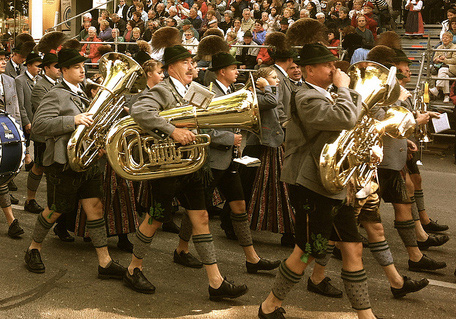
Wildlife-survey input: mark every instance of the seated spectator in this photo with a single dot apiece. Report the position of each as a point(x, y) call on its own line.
point(231, 39)
point(117, 38)
point(304, 13)
point(333, 41)
point(105, 32)
point(288, 14)
point(170, 22)
point(90, 50)
point(446, 24)
point(84, 32)
point(152, 26)
point(129, 31)
point(160, 11)
point(118, 23)
point(213, 24)
point(187, 25)
point(182, 9)
point(247, 56)
point(236, 28)
point(132, 49)
point(366, 34)
point(274, 19)
point(344, 19)
point(312, 8)
point(351, 41)
point(88, 17)
point(140, 10)
point(173, 15)
point(212, 7)
point(259, 34)
point(195, 19)
point(105, 15)
point(139, 23)
point(190, 39)
point(452, 28)
point(234, 7)
point(227, 21)
point(371, 19)
point(151, 15)
point(266, 6)
point(247, 23)
point(320, 16)
point(446, 63)
point(357, 9)
point(220, 6)
point(284, 25)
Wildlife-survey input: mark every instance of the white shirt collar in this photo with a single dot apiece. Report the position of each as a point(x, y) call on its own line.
point(223, 87)
point(30, 76)
point(322, 91)
point(1, 86)
point(73, 88)
point(53, 82)
point(181, 89)
point(14, 64)
point(281, 69)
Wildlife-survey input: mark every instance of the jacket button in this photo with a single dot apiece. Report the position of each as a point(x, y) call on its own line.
point(401, 149)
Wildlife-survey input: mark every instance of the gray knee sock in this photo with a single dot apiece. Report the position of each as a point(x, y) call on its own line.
point(141, 244)
point(382, 253)
point(5, 198)
point(324, 261)
point(419, 199)
point(204, 245)
point(97, 232)
point(41, 229)
point(415, 214)
point(355, 283)
point(241, 228)
point(33, 181)
point(284, 281)
point(406, 230)
point(186, 228)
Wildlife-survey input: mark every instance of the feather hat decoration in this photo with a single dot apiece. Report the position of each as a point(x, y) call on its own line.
point(25, 48)
point(210, 45)
point(51, 41)
point(72, 44)
point(306, 31)
point(166, 37)
point(382, 54)
point(390, 39)
point(213, 32)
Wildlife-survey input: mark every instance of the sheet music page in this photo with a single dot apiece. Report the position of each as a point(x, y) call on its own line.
point(441, 124)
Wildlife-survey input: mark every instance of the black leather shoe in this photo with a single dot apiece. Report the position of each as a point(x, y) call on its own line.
point(113, 271)
point(187, 260)
point(170, 227)
point(287, 240)
point(138, 282)
point(276, 314)
point(433, 241)
point(29, 166)
point(324, 288)
point(12, 186)
point(409, 286)
point(434, 227)
point(227, 290)
point(14, 200)
point(63, 234)
point(426, 264)
point(263, 264)
point(33, 261)
point(14, 230)
point(32, 207)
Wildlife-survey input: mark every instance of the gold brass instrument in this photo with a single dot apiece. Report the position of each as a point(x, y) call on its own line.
point(122, 75)
point(421, 102)
point(136, 155)
point(350, 155)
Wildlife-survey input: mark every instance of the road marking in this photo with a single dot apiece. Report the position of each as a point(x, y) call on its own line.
point(442, 284)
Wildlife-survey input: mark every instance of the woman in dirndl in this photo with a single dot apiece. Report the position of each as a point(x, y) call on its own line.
point(414, 25)
point(266, 196)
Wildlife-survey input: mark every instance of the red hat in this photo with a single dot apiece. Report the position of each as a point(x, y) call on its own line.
point(369, 4)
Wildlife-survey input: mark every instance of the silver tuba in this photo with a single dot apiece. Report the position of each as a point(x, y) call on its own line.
point(135, 154)
point(349, 156)
point(122, 75)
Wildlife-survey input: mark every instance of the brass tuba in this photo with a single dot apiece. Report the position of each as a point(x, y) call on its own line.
point(350, 155)
point(122, 75)
point(136, 155)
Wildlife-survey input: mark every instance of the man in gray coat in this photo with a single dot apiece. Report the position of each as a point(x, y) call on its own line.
point(9, 104)
point(189, 189)
point(317, 119)
point(60, 111)
point(15, 66)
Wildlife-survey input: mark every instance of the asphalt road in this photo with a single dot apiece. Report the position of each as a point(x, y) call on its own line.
point(69, 287)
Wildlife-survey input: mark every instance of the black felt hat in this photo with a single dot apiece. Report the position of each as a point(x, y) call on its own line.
point(314, 53)
point(284, 21)
point(142, 57)
point(48, 59)
point(69, 57)
point(277, 53)
point(401, 56)
point(175, 53)
point(33, 57)
point(248, 34)
point(3, 52)
point(222, 60)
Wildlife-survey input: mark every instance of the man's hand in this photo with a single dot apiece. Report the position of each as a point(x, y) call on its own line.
point(422, 118)
point(411, 147)
point(83, 119)
point(341, 79)
point(182, 136)
point(237, 139)
point(28, 128)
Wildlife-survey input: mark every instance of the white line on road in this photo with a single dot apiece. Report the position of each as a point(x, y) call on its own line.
point(442, 284)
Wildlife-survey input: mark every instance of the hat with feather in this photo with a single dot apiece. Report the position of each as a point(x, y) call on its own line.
point(20, 40)
point(166, 37)
point(211, 45)
point(382, 54)
point(306, 31)
point(390, 39)
point(51, 42)
point(72, 44)
point(279, 46)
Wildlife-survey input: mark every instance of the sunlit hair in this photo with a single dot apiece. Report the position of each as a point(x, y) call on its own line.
point(262, 73)
point(151, 66)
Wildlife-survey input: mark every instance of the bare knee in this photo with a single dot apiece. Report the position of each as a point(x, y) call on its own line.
point(238, 206)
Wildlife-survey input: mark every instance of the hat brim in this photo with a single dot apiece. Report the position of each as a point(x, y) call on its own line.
point(69, 62)
point(319, 59)
point(181, 56)
point(34, 60)
point(5, 53)
point(225, 65)
point(48, 62)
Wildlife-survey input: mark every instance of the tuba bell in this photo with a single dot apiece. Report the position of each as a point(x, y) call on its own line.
point(350, 155)
point(136, 155)
point(122, 75)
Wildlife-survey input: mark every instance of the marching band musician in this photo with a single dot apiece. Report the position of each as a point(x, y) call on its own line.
point(315, 120)
point(189, 189)
point(60, 111)
point(8, 103)
point(225, 176)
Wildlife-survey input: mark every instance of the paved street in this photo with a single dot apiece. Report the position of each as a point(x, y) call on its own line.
point(69, 287)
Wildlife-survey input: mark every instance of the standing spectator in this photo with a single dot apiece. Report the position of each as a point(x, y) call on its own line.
point(139, 23)
point(118, 23)
point(122, 9)
point(247, 56)
point(357, 8)
point(140, 9)
point(105, 32)
point(247, 22)
point(414, 25)
point(259, 34)
point(366, 34)
point(151, 27)
point(195, 19)
point(190, 39)
point(371, 23)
